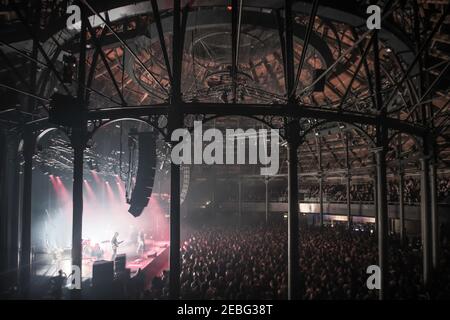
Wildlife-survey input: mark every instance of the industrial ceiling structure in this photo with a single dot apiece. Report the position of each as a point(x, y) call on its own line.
point(237, 60)
point(348, 100)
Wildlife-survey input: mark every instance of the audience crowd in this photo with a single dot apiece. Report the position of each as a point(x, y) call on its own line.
point(359, 192)
point(250, 262)
point(365, 192)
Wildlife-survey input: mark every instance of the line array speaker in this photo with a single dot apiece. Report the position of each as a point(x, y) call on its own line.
point(145, 174)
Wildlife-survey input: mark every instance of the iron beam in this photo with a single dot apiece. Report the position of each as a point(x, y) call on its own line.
point(293, 211)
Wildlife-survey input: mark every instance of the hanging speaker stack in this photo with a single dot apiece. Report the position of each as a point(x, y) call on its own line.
point(145, 174)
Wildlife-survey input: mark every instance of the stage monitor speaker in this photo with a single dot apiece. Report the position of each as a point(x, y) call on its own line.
point(102, 273)
point(120, 263)
point(320, 85)
point(145, 174)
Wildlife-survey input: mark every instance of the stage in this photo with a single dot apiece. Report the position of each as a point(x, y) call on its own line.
point(152, 262)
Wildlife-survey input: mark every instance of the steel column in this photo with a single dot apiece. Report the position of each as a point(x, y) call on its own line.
point(78, 140)
point(293, 207)
point(28, 150)
point(349, 203)
point(289, 46)
point(77, 196)
point(266, 182)
point(375, 193)
point(175, 226)
point(435, 242)
point(175, 121)
point(425, 219)
point(239, 200)
point(319, 146)
point(349, 200)
point(234, 44)
point(380, 153)
point(25, 242)
point(382, 220)
point(321, 199)
point(401, 199)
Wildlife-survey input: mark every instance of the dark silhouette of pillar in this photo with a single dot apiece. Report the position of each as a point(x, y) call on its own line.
point(78, 139)
point(175, 121)
point(293, 226)
point(78, 145)
point(25, 243)
point(266, 182)
point(239, 200)
point(425, 216)
point(175, 226)
point(380, 154)
point(348, 184)
point(349, 202)
point(382, 219)
point(321, 198)
point(319, 145)
point(401, 200)
point(435, 242)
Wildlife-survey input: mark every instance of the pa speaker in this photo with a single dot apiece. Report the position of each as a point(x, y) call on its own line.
point(102, 273)
point(320, 85)
point(145, 174)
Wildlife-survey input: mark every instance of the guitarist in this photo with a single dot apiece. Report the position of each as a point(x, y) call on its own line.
point(115, 244)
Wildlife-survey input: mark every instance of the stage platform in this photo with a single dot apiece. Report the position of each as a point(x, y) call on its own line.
point(152, 262)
